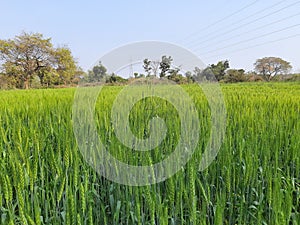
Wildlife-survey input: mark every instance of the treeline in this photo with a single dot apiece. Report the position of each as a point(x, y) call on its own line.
point(266, 69)
point(31, 61)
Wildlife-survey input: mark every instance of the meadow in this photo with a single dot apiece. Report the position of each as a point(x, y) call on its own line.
point(255, 178)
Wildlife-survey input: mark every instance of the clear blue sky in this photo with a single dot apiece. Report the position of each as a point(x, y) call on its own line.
point(93, 28)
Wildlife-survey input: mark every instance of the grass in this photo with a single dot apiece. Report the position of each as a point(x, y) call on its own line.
point(255, 178)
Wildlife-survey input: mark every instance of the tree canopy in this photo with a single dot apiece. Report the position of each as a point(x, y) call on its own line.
point(269, 67)
point(97, 73)
point(219, 69)
point(30, 55)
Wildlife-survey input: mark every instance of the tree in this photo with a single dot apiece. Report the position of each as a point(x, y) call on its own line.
point(175, 76)
point(113, 78)
point(30, 55)
point(219, 70)
point(189, 77)
point(65, 65)
point(151, 67)
point(47, 76)
point(165, 65)
point(147, 66)
point(234, 75)
point(136, 75)
point(155, 67)
point(7, 82)
point(98, 73)
point(26, 55)
point(270, 67)
point(203, 74)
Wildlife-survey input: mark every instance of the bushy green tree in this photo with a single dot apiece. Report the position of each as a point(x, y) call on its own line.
point(30, 55)
point(98, 73)
point(147, 66)
point(219, 69)
point(66, 67)
point(234, 75)
point(26, 55)
point(165, 65)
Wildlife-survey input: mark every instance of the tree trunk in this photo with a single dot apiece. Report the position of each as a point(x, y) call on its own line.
point(26, 84)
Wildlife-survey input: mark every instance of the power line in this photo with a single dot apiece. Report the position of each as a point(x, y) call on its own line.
point(251, 39)
point(255, 29)
point(254, 46)
point(248, 23)
point(250, 16)
point(221, 20)
point(248, 40)
point(249, 47)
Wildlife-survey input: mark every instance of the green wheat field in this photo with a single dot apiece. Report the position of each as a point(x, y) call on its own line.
point(255, 178)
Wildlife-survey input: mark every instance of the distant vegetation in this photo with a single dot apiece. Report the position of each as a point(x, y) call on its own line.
point(30, 61)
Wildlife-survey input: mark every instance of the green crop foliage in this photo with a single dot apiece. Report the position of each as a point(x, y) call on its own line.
point(255, 178)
